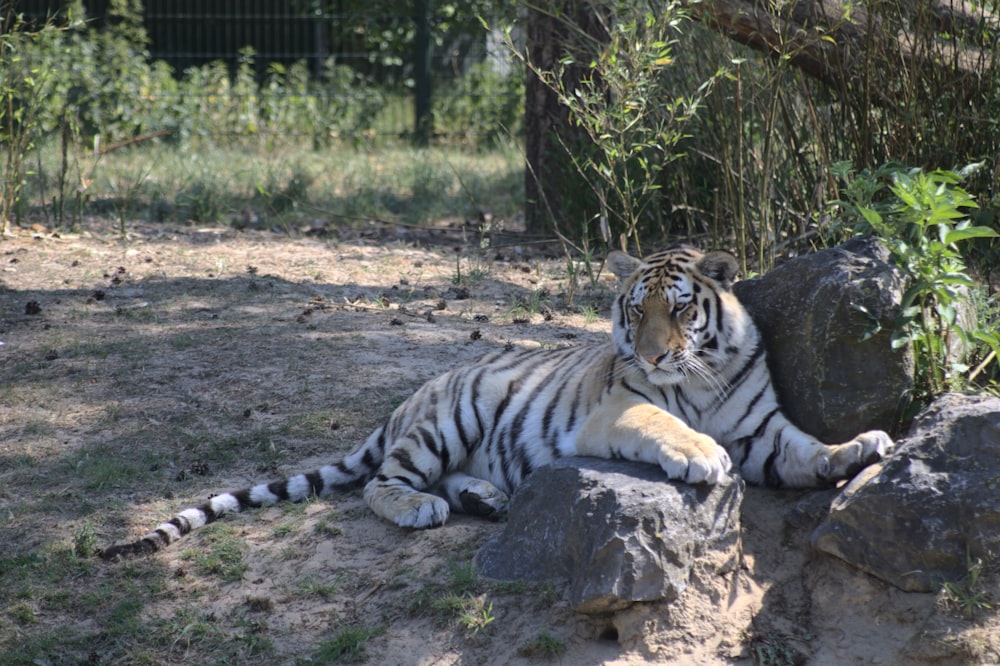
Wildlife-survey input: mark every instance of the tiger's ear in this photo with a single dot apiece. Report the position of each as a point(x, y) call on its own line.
point(719, 266)
point(622, 264)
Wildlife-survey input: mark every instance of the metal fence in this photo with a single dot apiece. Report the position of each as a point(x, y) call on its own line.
point(414, 77)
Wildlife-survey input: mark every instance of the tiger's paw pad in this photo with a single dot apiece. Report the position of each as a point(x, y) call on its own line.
point(485, 500)
point(707, 463)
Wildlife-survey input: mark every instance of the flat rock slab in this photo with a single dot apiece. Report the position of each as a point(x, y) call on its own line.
point(616, 532)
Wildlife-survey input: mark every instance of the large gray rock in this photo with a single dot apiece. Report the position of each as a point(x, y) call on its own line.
point(916, 518)
point(817, 314)
point(617, 532)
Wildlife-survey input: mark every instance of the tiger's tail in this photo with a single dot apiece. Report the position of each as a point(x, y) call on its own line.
point(350, 472)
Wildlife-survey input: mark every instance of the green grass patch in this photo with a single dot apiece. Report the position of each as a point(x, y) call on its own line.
point(220, 555)
point(258, 445)
point(102, 468)
point(347, 646)
point(313, 588)
point(249, 187)
point(544, 646)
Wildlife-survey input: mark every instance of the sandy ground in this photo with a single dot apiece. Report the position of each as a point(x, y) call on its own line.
point(231, 357)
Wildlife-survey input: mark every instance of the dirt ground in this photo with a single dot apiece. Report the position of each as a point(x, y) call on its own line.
point(141, 375)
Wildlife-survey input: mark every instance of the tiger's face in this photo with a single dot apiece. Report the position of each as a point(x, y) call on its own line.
point(670, 316)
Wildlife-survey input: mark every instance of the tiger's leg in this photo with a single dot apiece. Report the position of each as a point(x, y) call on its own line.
point(786, 456)
point(473, 496)
point(623, 428)
point(412, 464)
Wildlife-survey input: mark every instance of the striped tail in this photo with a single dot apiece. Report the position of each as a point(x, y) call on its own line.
point(353, 471)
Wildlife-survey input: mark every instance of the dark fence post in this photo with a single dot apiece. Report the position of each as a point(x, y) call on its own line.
point(422, 74)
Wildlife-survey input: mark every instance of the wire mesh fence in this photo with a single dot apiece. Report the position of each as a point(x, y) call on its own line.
point(357, 66)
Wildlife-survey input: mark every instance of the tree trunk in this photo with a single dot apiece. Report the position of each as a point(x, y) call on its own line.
point(554, 192)
point(544, 118)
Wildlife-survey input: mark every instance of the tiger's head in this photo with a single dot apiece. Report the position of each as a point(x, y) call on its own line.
point(676, 317)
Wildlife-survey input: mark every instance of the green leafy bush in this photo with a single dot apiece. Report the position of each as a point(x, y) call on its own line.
point(486, 104)
point(922, 217)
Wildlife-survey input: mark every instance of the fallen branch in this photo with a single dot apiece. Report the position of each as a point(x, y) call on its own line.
point(134, 140)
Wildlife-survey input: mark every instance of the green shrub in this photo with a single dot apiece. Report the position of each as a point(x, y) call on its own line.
point(922, 217)
point(487, 106)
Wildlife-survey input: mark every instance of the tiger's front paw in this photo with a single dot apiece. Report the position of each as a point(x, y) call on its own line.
point(875, 445)
point(485, 500)
point(701, 460)
point(405, 506)
point(420, 511)
point(849, 458)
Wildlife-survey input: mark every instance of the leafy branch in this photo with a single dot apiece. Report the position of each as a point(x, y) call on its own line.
point(617, 92)
point(922, 218)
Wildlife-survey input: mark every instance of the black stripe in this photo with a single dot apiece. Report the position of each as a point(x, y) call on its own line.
point(243, 498)
point(744, 372)
point(443, 454)
point(719, 312)
point(574, 408)
point(474, 396)
point(753, 403)
point(771, 478)
point(402, 479)
point(463, 436)
point(752, 440)
point(504, 454)
point(553, 374)
point(457, 413)
point(368, 459)
point(762, 426)
point(526, 467)
point(684, 403)
point(622, 314)
point(747, 444)
point(210, 514)
point(279, 488)
point(182, 525)
point(402, 456)
point(629, 387)
point(429, 441)
point(164, 539)
point(315, 480)
point(549, 413)
point(609, 382)
point(512, 389)
point(669, 405)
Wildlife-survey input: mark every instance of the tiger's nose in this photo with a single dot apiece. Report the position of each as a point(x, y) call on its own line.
point(655, 360)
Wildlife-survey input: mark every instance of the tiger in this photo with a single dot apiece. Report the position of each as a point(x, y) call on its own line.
point(683, 383)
